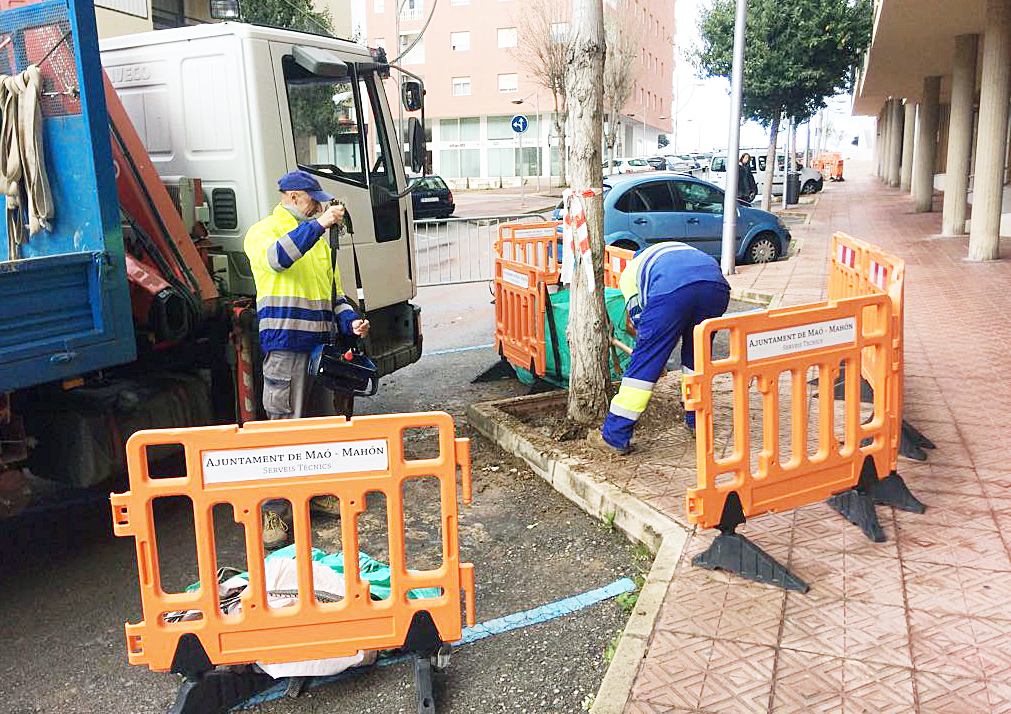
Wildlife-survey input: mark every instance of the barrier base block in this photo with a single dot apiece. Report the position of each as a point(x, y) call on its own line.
point(892, 491)
point(500, 370)
point(217, 691)
point(912, 443)
point(857, 507)
point(736, 554)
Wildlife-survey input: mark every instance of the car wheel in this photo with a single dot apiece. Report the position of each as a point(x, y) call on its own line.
point(763, 249)
point(810, 186)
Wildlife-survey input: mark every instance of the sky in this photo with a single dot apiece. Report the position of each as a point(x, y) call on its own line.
point(702, 107)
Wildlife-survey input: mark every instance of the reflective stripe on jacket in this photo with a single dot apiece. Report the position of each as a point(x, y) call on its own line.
point(663, 268)
point(292, 270)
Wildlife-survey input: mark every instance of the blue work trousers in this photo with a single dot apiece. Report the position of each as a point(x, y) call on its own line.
point(664, 320)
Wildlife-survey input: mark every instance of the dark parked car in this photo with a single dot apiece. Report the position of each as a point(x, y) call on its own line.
point(432, 198)
point(643, 209)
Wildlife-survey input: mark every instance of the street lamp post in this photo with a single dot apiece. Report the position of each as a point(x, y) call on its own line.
point(537, 109)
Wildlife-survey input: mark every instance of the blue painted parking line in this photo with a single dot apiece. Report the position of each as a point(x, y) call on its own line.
point(454, 350)
point(498, 626)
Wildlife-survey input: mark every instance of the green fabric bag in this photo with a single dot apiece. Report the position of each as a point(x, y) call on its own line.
point(615, 305)
point(375, 573)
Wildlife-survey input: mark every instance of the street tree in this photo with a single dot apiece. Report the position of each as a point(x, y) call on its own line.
point(287, 14)
point(542, 48)
point(315, 109)
point(588, 331)
point(796, 55)
point(622, 36)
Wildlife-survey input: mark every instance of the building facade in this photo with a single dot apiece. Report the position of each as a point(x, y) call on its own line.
point(476, 82)
point(938, 78)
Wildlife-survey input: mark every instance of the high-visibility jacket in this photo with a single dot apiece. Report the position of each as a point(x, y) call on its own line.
point(660, 270)
point(295, 303)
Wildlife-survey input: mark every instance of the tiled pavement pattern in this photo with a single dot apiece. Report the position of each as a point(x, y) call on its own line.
point(920, 623)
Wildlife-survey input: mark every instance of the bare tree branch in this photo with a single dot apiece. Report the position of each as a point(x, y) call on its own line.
point(541, 48)
point(623, 33)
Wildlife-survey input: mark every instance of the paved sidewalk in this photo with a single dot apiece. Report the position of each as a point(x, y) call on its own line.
point(920, 623)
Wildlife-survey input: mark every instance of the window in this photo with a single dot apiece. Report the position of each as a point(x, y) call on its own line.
point(719, 164)
point(379, 6)
point(507, 82)
point(416, 55)
point(507, 37)
point(459, 41)
point(331, 142)
point(560, 31)
point(460, 163)
point(411, 10)
point(700, 198)
point(500, 127)
point(502, 161)
point(461, 86)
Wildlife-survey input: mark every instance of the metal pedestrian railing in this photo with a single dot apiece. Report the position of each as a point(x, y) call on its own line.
point(459, 250)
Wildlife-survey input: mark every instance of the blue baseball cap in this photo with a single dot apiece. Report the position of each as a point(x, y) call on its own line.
point(302, 181)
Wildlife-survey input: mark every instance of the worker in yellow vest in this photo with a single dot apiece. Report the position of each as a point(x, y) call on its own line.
point(298, 298)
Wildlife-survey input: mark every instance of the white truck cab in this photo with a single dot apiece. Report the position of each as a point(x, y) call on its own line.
point(237, 106)
point(811, 181)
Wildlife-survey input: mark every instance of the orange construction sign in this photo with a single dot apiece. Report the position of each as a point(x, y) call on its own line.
point(615, 260)
point(295, 460)
point(860, 268)
point(773, 357)
point(527, 261)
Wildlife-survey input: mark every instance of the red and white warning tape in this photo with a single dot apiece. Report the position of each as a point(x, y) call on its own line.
point(575, 235)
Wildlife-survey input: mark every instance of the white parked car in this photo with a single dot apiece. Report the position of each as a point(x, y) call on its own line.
point(624, 165)
point(811, 181)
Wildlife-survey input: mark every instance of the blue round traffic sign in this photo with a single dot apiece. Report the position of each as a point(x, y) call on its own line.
point(520, 123)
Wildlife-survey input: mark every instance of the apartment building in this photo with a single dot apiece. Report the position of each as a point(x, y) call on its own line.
point(476, 83)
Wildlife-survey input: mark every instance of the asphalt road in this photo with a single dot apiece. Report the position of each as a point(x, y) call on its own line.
point(68, 584)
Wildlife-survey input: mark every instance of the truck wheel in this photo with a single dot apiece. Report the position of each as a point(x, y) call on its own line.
point(763, 249)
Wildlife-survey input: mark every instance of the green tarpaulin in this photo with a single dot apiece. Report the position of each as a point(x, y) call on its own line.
point(615, 305)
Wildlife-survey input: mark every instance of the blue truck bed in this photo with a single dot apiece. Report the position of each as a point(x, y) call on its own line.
point(64, 300)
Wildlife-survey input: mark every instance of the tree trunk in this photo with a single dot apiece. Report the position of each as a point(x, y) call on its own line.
point(770, 165)
point(587, 333)
point(560, 131)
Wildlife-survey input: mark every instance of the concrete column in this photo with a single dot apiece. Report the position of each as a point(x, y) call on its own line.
point(988, 185)
point(895, 147)
point(956, 179)
point(888, 134)
point(925, 146)
point(879, 141)
point(908, 131)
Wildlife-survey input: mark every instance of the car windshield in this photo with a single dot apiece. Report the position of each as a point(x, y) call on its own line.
point(432, 183)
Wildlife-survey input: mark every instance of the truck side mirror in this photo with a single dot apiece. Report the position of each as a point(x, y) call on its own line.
point(416, 132)
point(413, 95)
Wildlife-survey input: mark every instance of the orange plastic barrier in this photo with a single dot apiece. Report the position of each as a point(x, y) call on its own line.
point(295, 460)
point(860, 268)
point(854, 333)
point(615, 260)
point(526, 263)
point(830, 164)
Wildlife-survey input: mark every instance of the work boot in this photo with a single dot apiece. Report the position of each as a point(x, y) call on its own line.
point(328, 504)
point(275, 531)
point(595, 440)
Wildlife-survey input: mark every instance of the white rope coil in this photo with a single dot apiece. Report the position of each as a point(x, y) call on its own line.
point(22, 158)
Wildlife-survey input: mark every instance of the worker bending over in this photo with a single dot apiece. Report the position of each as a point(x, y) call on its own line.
point(668, 288)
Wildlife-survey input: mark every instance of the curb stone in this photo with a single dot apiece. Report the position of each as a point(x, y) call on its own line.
point(665, 537)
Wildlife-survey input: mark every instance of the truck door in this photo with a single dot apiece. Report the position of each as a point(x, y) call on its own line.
point(339, 129)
